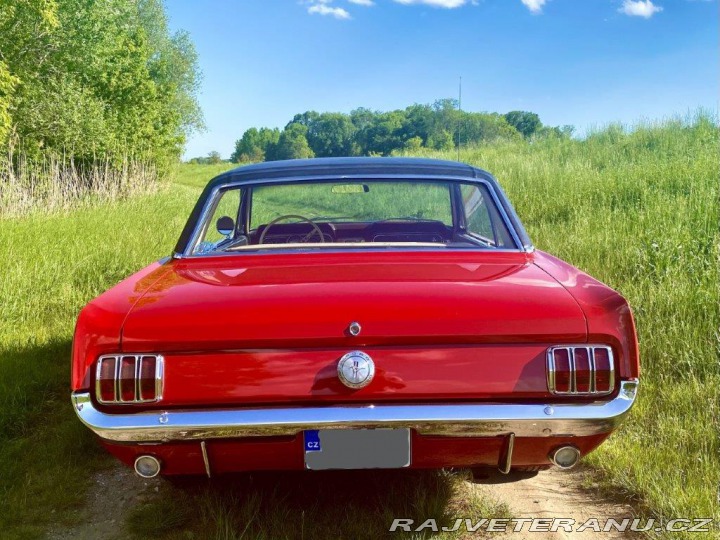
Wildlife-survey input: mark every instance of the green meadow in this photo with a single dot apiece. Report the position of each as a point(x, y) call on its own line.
point(636, 208)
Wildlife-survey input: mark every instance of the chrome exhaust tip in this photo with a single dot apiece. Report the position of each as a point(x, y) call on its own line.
point(565, 457)
point(147, 466)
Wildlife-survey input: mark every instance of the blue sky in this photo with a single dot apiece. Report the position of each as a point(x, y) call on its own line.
point(580, 62)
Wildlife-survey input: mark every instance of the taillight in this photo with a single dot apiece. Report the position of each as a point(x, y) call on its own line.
point(129, 379)
point(106, 375)
point(604, 373)
point(562, 368)
point(149, 378)
point(580, 369)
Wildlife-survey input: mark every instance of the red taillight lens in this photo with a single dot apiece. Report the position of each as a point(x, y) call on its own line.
point(603, 371)
point(583, 371)
point(580, 370)
point(106, 379)
point(148, 369)
point(562, 370)
point(129, 379)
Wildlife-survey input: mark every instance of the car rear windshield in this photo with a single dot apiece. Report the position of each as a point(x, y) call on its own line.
point(358, 214)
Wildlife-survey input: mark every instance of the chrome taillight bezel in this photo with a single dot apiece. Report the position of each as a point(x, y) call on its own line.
point(572, 390)
point(138, 360)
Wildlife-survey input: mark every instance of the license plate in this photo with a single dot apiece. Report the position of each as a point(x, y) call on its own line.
point(357, 449)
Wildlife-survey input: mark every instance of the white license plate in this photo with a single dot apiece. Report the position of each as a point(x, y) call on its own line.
point(357, 449)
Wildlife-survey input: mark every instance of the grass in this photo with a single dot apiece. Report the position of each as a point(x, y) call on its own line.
point(638, 210)
point(58, 183)
point(338, 504)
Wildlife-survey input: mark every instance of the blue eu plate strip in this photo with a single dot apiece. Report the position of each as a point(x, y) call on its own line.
point(312, 441)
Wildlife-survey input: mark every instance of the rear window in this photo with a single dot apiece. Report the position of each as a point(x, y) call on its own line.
point(353, 202)
point(358, 214)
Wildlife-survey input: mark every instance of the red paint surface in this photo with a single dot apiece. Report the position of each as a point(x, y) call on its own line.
point(609, 317)
point(445, 373)
point(287, 453)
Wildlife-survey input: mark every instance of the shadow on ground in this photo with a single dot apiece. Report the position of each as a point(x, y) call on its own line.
point(327, 504)
point(47, 457)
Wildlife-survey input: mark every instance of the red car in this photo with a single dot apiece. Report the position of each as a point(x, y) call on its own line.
point(348, 314)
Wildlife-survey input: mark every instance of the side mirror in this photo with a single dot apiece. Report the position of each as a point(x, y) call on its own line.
point(225, 226)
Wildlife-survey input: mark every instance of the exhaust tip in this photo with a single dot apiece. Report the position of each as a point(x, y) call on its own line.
point(565, 457)
point(147, 466)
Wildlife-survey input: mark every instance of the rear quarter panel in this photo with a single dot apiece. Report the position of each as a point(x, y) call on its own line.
point(609, 317)
point(99, 325)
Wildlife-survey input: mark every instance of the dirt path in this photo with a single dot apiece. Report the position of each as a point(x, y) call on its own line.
point(114, 493)
point(553, 493)
point(556, 494)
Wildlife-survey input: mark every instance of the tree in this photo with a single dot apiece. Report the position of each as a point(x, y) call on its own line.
point(97, 80)
point(485, 127)
point(442, 140)
point(7, 85)
point(292, 144)
point(330, 134)
point(383, 134)
point(413, 144)
point(525, 122)
point(254, 145)
point(418, 122)
point(440, 126)
point(214, 157)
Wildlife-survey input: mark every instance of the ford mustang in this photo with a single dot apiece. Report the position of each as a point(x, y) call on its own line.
point(355, 313)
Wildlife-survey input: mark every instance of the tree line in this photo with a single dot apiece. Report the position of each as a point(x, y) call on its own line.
point(364, 132)
point(95, 81)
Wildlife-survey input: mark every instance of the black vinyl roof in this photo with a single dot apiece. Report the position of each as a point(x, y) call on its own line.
point(348, 166)
point(387, 167)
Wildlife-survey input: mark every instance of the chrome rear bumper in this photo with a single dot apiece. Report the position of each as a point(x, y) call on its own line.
point(459, 420)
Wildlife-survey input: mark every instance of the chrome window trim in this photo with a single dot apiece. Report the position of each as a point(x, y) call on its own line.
point(550, 361)
point(117, 394)
point(214, 197)
point(555, 418)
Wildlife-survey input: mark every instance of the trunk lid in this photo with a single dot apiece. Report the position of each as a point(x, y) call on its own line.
point(309, 300)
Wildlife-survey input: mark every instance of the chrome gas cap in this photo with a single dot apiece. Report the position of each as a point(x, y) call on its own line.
point(356, 369)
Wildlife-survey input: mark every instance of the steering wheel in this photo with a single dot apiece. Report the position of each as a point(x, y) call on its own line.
point(296, 216)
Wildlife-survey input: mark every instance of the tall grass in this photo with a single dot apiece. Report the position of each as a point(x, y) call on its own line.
point(58, 183)
point(638, 208)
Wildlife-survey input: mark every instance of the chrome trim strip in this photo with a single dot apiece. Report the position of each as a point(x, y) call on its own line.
point(611, 359)
point(573, 378)
point(159, 376)
point(138, 367)
point(551, 370)
point(507, 464)
point(460, 420)
point(206, 460)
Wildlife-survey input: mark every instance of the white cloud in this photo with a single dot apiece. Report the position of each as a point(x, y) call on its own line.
point(449, 4)
point(639, 8)
point(534, 5)
point(362, 2)
point(323, 9)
